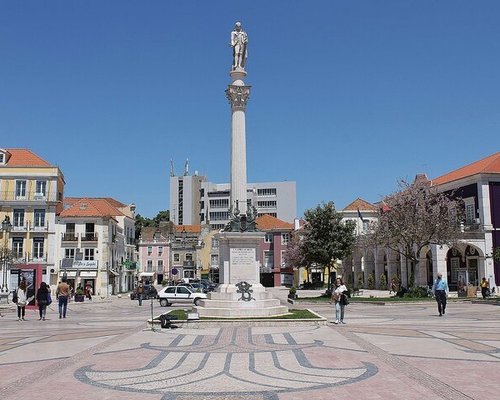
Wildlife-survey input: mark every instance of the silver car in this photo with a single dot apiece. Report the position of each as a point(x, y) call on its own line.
point(179, 294)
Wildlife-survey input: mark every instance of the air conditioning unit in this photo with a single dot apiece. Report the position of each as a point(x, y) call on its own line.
point(52, 271)
point(477, 220)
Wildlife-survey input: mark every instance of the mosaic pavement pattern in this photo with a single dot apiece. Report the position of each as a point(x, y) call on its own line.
point(233, 362)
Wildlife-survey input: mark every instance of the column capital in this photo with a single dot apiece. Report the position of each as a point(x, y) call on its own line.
point(238, 96)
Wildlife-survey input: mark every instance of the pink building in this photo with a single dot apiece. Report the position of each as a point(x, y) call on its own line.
point(154, 254)
point(273, 271)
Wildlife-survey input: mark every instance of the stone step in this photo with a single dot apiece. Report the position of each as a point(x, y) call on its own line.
point(239, 304)
point(219, 312)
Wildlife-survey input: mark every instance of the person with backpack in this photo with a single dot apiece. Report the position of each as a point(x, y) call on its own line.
point(21, 300)
point(42, 299)
point(339, 296)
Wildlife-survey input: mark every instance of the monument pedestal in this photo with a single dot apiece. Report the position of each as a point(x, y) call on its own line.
point(241, 294)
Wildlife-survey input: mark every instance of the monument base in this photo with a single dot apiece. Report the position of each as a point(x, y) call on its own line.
point(240, 295)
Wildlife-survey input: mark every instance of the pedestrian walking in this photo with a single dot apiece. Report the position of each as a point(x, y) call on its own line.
point(440, 290)
point(140, 291)
point(485, 285)
point(88, 291)
point(63, 293)
point(339, 297)
point(22, 300)
point(42, 299)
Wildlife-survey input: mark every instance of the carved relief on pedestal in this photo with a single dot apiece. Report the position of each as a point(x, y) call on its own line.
point(238, 96)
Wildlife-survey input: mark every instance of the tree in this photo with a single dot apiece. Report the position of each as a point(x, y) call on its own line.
point(416, 216)
point(140, 221)
point(326, 237)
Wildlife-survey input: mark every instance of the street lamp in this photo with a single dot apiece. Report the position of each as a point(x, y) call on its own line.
point(6, 228)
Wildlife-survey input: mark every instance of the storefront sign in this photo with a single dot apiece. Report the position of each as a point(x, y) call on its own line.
point(82, 264)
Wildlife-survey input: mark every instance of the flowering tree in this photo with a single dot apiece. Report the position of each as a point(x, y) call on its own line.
point(416, 216)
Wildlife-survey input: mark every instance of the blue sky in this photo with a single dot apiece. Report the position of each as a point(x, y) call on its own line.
point(347, 96)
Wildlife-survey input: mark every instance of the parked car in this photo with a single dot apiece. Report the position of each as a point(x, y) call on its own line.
point(150, 292)
point(179, 294)
point(195, 287)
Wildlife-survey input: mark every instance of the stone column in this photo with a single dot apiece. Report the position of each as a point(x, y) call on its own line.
point(238, 94)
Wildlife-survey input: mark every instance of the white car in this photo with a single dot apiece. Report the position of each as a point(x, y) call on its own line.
point(179, 294)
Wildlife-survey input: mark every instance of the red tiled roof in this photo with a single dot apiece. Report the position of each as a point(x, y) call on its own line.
point(361, 205)
point(188, 228)
point(488, 165)
point(89, 207)
point(266, 223)
point(25, 158)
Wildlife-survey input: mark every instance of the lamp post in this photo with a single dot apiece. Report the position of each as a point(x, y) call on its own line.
point(6, 228)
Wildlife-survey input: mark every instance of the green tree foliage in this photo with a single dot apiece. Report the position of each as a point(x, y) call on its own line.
point(326, 237)
point(383, 282)
point(141, 221)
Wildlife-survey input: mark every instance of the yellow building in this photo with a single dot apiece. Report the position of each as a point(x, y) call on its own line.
point(31, 194)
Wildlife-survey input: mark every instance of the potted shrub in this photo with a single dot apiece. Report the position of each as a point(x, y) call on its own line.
point(79, 297)
point(292, 293)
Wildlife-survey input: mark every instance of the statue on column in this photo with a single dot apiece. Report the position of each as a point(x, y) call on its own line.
point(239, 42)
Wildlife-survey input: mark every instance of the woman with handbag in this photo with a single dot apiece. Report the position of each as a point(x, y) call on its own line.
point(339, 296)
point(42, 299)
point(22, 300)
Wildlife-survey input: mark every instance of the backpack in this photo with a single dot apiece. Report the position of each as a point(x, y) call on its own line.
point(14, 297)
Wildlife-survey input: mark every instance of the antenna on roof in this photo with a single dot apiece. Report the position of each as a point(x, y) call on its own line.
point(172, 167)
point(186, 167)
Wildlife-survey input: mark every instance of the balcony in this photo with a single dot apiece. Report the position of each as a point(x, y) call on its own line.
point(9, 195)
point(39, 228)
point(89, 237)
point(69, 237)
point(20, 226)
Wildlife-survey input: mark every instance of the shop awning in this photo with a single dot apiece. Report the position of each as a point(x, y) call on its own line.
point(88, 274)
point(111, 271)
point(146, 274)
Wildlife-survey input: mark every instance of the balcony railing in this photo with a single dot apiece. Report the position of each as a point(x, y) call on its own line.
point(89, 237)
point(20, 226)
point(69, 237)
point(10, 195)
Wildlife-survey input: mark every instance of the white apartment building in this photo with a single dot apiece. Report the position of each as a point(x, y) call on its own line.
point(95, 245)
point(195, 200)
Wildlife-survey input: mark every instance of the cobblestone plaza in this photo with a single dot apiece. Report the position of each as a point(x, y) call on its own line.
point(104, 350)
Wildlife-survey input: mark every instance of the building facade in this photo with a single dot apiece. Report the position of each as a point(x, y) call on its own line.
point(96, 244)
point(31, 195)
point(464, 264)
point(194, 200)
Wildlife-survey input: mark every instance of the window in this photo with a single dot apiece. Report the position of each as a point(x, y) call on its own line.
point(170, 290)
point(215, 243)
point(69, 253)
point(176, 257)
point(268, 238)
point(39, 218)
point(366, 225)
point(455, 265)
point(149, 268)
point(89, 254)
point(269, 259)
point(160, 251)
point(19, 217)
point(20, 189)
point(17, 247)
point(214, 260)
point(41, 188)
point(275, 215)
point(189, 257)
point(70, 227)
point(160, 265)
point(219, 215)
point(267, 204)
point(283, 261)
point(219, 203)
point(285, 238)
point(266, 192)
point(217, 227)
point(38, 247)
point(470, 212)
point(2, 158)
point(150, 250)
